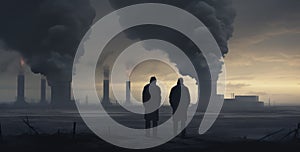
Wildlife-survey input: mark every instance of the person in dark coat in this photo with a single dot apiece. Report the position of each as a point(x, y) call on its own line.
point(179, 100)
point(151, 103)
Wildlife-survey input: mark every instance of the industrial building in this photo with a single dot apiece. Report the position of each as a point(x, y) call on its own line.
point(21, 100)
point(242, 103)
point(21, 90)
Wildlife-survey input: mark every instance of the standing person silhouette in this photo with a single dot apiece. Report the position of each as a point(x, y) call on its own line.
point(151, 103)
point(179, 97)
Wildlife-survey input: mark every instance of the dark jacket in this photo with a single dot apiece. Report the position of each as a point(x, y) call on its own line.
point(180, 95)
point(151, 94)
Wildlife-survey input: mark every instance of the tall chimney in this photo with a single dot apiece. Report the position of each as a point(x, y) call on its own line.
point(21, 88)
point(106, 100)
point(128, 92)
point(21, 84)
point(43, 90)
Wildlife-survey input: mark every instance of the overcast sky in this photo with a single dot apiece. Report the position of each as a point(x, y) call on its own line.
point(265, 51)
point(263, 58)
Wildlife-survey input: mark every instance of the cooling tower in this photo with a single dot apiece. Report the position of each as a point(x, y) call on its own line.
point(60, 92)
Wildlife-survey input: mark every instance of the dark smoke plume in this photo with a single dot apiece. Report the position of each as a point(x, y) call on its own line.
point(46, 33)
point(217, 15)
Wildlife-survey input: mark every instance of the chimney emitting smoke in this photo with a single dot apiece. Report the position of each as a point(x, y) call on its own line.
point(21, 84)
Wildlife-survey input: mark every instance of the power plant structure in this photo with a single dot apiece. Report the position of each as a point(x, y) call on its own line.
point(21, 84)
point(128, 97)
point(60, 92)
point(106, 85)
point(21, 88)
point(242, 103)
point(43, 91)
point(60, 84)
point(105, 99)
point(60, 89)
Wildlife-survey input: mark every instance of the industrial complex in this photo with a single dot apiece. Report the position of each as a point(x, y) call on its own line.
point(61, 94)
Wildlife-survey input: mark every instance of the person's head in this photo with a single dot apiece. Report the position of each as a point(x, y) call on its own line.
point(180, 81)
point(153, 80)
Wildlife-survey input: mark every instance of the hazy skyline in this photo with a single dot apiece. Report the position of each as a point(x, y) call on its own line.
point(263, 56)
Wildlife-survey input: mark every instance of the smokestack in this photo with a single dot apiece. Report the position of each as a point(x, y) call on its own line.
point(43, 90)
point(21, 84)
point(128, 93)
point(106, 100)
point(21, 89)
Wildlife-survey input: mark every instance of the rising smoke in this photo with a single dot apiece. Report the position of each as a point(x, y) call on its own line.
point(217, 15)
point(46, 33)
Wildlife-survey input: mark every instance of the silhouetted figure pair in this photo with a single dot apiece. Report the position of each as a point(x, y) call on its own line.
point(179, 100)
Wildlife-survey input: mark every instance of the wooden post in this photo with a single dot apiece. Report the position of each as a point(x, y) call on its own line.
point(108, 131)
point(1, 133)
point(58, 132)
point(297, 131)
point(74, 130)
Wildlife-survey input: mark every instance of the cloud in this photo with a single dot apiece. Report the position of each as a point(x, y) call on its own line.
point(45, 33)
point(240, 78)
point(237, 85)
point(293, 60)
point(9, 62)
point(251, 57)
point(276, 20)
point(268, 14)
point(257, 93)
point(239, 59)
point(267, 34)
point(280, 58)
